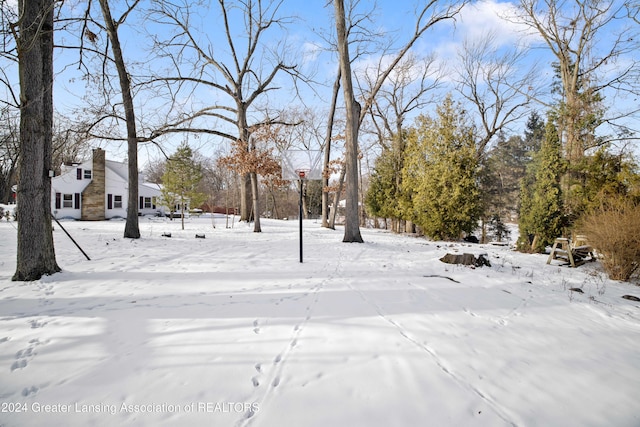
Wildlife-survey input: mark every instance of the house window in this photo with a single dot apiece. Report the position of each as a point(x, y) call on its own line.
point(87, 174)
point(67, 201)
point(117, 202)
point(147, 203)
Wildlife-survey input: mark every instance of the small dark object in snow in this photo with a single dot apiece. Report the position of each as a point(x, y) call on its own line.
point(442, 277)
point(631, 297)
point(166, 234)
point(200, 236)
point(578, 290)
point(466, 259)
point(471, 239)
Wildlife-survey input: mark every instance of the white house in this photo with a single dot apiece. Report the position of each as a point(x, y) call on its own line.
point(98, 189)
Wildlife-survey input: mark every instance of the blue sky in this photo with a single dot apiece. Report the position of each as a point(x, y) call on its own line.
point(306, 46)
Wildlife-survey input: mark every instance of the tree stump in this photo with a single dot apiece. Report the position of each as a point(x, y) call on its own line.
point(466, 259)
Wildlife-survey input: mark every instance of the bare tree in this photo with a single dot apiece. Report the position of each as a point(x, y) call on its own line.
point(9, 151)
point(633, 11)
point(243, 77)
point(8, 55)
point(327, 154)
point(259, 160)
point(427, 16)
point(353, 108)
point(34, 40)
point(131, 229)
point(362, 41)
point(69, 145)
point(496, 85)
point(9, 102)
point(594, 51)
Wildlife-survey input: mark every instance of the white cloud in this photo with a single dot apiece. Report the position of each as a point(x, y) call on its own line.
point(489, 16)
point(311, 51)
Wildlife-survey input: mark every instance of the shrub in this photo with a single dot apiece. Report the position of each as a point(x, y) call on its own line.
point(612, 229)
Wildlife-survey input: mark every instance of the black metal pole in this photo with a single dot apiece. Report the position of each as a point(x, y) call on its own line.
point(300, 216)
point(69, 235)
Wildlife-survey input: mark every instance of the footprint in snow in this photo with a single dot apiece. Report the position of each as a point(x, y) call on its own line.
point(29, 390)
point(19, 364)
point(469, 312)
point(35, 324)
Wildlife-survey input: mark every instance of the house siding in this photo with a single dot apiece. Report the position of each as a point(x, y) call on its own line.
point(97, 190)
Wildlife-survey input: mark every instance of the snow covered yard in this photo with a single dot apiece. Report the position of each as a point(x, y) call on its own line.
point(232, 330)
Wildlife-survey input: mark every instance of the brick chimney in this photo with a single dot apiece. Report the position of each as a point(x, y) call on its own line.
point(93, 197)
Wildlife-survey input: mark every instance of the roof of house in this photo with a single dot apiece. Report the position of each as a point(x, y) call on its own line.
point(121, 169)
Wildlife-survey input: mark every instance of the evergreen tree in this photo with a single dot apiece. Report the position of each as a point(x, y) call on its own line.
point(608, 176)
point(533, 136)
point(180, 181)
point(386, 197)
point(441, 167)
point(500, 177)
point(541, 208)
point(504, 169)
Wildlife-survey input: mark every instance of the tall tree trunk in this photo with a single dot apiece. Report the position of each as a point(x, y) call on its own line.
point(336, 199)
point(245, 197)
point(352, 218)
point(131, 228)
point(256, 202)
point(245, 180)
point(35, 252)
point(327, 153)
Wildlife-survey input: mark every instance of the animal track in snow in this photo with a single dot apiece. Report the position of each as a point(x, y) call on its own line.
point(29, 390)
point(35, 324)
point(19, 364)
point(24, 356)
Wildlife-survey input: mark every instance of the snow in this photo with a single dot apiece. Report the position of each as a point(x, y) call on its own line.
point(232, 330)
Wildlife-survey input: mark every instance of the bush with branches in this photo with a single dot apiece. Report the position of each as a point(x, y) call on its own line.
point(612, 229)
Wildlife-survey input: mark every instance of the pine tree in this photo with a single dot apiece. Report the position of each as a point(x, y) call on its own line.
point(180, 181)
point(441, 167)
point(506, 166)
point(533, 136)
point(609, 176)
point(541, 208)
point(385, 197)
